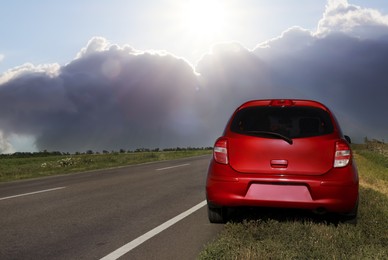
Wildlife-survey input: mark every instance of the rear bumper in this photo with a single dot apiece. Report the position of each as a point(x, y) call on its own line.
point(336, 191)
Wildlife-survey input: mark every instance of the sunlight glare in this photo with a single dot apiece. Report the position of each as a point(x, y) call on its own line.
point(205, 18)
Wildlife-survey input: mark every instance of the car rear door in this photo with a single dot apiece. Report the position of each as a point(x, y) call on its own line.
point(288, 140)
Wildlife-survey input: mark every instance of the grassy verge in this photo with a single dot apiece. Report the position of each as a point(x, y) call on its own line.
point(25, 168)
point(286, 234)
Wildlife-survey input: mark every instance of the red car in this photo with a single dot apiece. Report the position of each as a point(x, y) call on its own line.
point(285, 154)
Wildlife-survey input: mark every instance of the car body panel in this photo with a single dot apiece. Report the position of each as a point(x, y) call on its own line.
point(225, 188)
point(263, 155)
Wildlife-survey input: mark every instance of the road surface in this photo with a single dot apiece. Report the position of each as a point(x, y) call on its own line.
point(148, 211)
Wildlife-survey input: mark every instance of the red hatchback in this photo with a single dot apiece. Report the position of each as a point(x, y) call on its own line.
point(286, 154)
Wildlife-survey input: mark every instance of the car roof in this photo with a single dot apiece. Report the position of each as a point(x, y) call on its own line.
point(284, 103)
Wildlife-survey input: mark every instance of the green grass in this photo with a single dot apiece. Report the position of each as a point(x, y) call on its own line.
point(32, 167)
point(287, 234)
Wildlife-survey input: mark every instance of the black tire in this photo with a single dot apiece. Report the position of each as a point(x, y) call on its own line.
point(351, 217)
point(216, 214)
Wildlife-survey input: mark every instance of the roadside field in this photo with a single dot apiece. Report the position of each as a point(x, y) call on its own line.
point(291, 234)
point(32, 167)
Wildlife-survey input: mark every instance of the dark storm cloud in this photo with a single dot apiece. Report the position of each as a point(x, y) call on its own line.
point(107, 98)
point(113, 97)
point(346, 73)
point(230, 75)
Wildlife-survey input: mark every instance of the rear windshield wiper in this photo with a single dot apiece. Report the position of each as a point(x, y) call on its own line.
point(285, 138)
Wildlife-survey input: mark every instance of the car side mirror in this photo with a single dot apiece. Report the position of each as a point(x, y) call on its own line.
point(347, 138)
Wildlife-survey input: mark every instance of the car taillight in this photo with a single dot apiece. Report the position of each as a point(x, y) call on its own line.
point(281, 103)
point(220, 151)
point(342, 154)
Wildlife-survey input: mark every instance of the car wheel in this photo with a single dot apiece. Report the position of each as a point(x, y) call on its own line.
point(216, 214)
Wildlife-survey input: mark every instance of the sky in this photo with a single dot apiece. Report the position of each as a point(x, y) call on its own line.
point(53, 32)
point(101, 75)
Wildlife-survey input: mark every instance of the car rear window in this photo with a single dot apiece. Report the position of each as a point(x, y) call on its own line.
point(293, 122)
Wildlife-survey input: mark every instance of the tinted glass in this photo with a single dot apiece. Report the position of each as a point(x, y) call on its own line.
point(293, 122)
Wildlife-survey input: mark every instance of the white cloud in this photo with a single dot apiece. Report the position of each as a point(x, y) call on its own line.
point(334, 4)
point(94, 45)
point(5, 145)
point(293, 39)
point(100, 44)
point(342, 17)
point(50, 70)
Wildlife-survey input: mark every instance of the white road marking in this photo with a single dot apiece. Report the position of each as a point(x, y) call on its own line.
point(138, 241)
point(171, 167)
point(31, 193)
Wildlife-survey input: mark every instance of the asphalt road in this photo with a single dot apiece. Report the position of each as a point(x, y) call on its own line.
point(92, 215)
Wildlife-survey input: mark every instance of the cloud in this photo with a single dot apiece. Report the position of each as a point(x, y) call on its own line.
point(29, 69)
point(290, 41)
point(113, 97)
point(364, 23)
point(342, 66)
point(342, 71)
point(5, 146)
point(107, 98)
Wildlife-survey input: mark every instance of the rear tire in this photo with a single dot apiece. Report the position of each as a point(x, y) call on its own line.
point(351, 217)
point(216, 214)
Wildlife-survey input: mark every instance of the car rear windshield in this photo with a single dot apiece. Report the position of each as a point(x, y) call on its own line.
point(292, 122)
